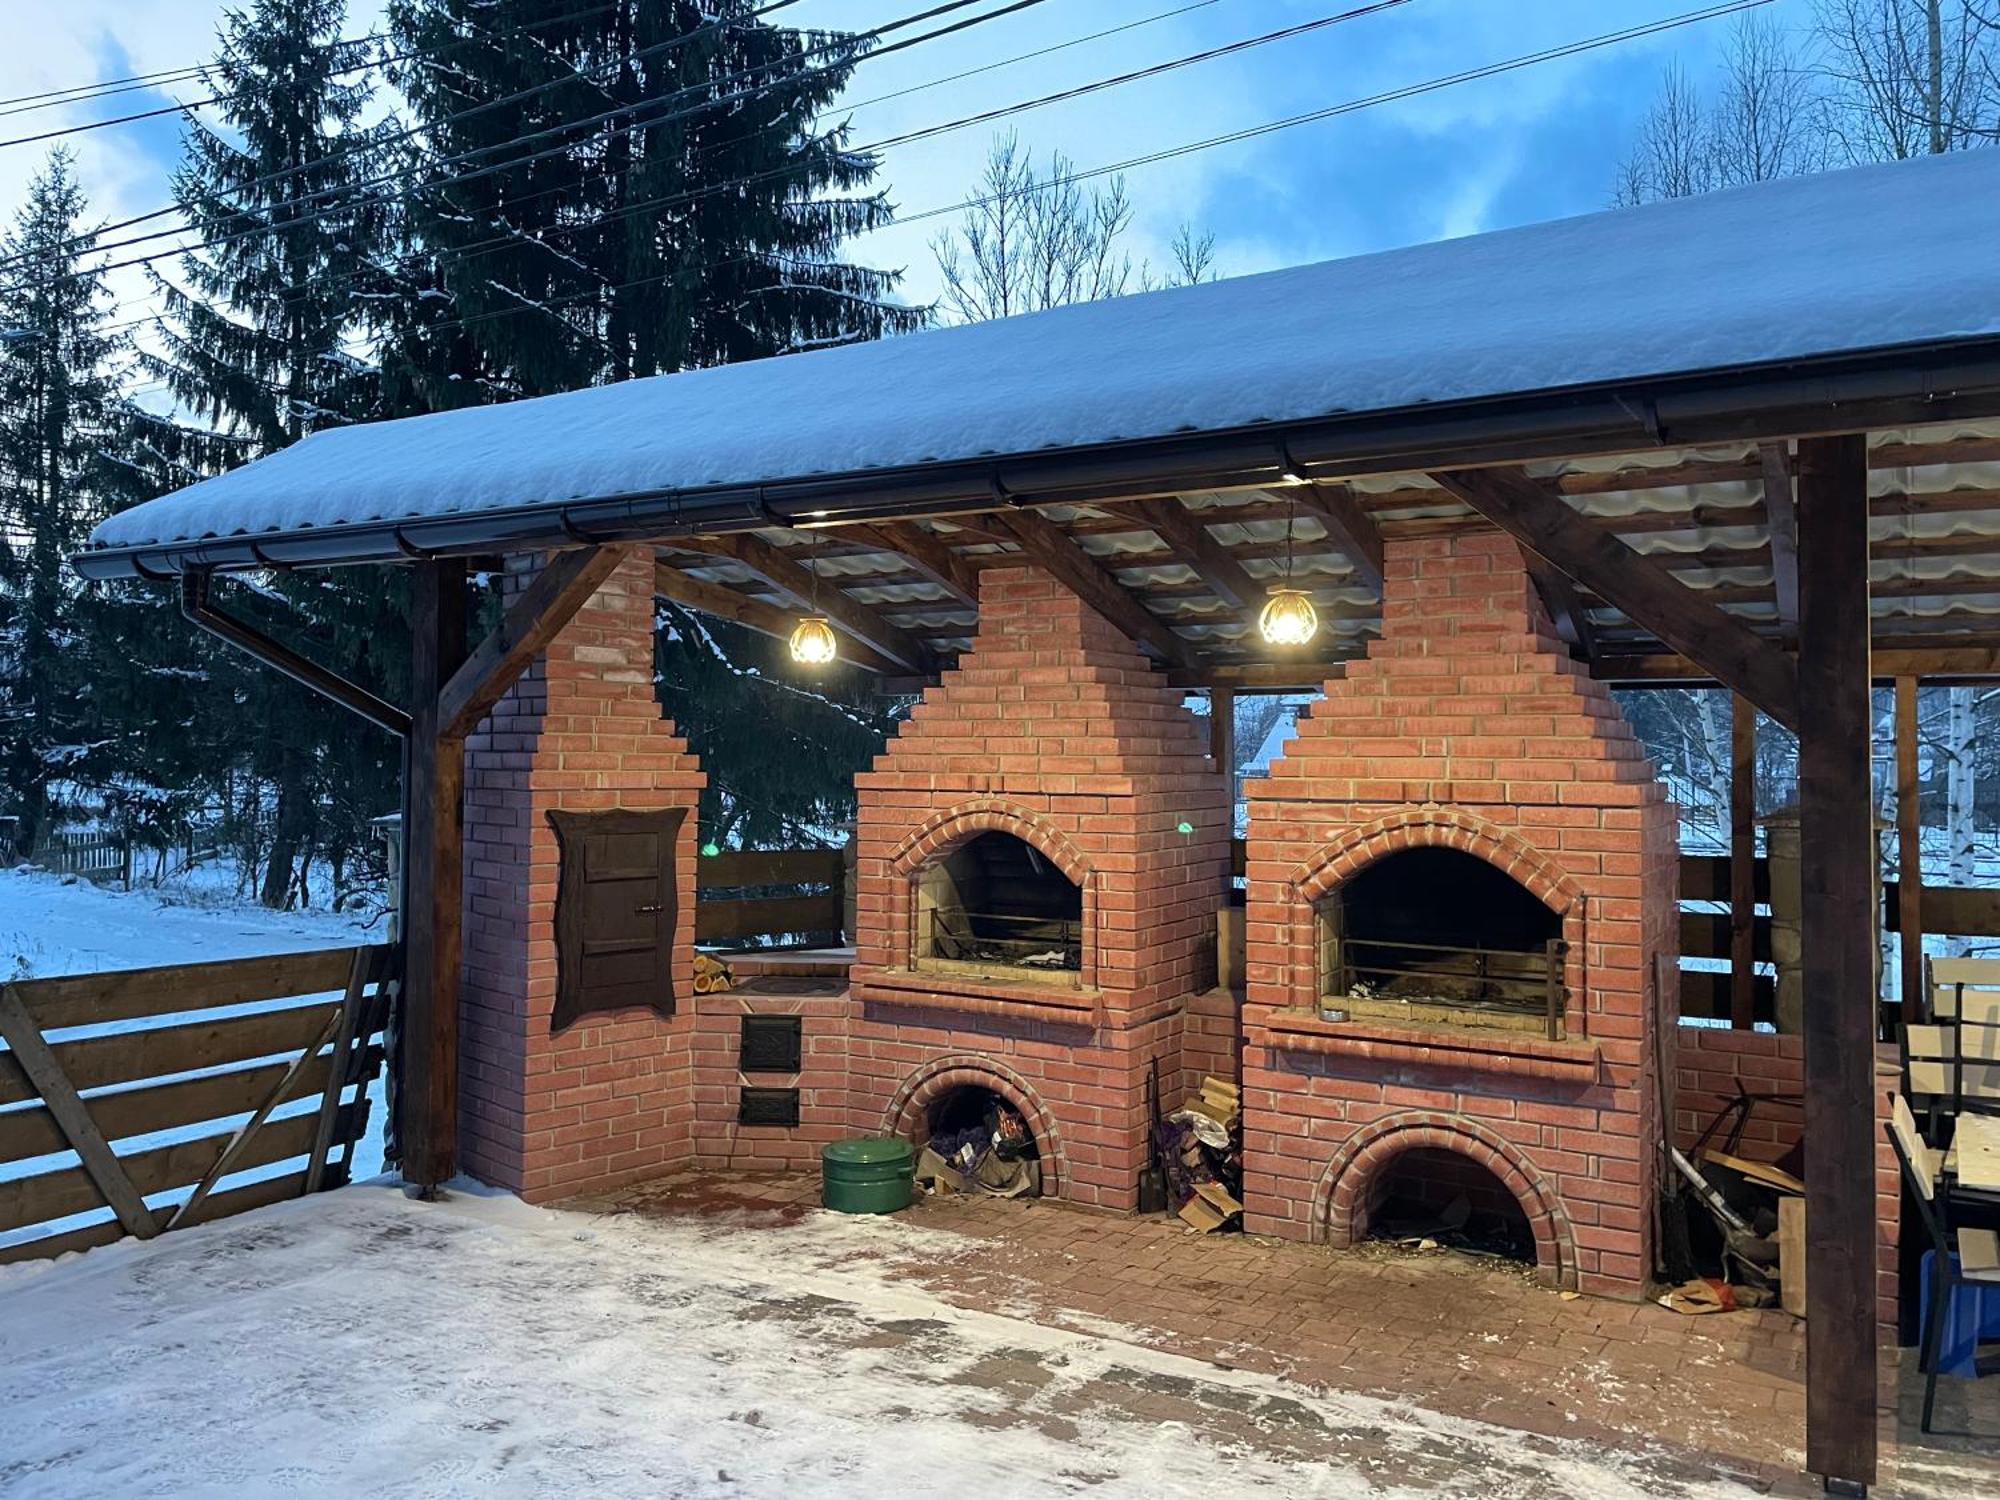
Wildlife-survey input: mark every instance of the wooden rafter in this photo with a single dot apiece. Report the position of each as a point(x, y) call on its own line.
point(1348, 526)
point(927, 554)
point(1049, 546)
point(1969, 661)
point(550, 602)
point(1782, 521)
point(724, 603)
point(1542, 521)
point(1566, 610)
point(850, 616)
point(1186, 532)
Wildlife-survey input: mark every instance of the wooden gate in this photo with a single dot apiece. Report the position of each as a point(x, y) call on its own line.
point(143, 1083)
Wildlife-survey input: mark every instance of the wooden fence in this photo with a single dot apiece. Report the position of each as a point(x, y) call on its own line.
point(779, 894)
point(180, 1053)
point(91, 853)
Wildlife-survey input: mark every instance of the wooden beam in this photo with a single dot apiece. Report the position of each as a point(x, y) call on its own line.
point(725, 603)
point(926, 553)
point(550, 602)
point(1742, 863)
point(1909, 849)
point(1222, 731)
point(1837, 926)
point(38, 1060)
point(1546, 524)
point(1781, 515)
point(1934, 663)
point(433, 880)
point(1186, 532)
point(791, 577)
point(1350, 527)
point(1566, 610)
point(1258, 676)
point(1046, 545)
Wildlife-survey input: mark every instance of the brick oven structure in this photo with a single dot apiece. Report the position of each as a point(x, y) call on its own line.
point(1058, 752)
point(1468, 729)
point(607, 1099)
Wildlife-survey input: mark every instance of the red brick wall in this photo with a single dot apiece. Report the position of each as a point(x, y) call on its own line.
point(1055, 729)
point(822, 1080)
point(1466, 726)
point(611, 1098)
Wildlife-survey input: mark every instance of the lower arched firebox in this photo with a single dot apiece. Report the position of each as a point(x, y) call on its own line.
point(1371, 1172)
point(943, 1092)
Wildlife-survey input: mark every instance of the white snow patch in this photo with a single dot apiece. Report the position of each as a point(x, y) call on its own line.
point(362, 1343)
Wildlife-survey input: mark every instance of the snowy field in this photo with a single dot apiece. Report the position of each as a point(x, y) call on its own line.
point(359, 1343)
point(55, 925)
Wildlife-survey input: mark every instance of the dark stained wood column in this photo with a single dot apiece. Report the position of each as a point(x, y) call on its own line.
point(1909, 853)
point(433, 878)
point(1837, 919)
point(1742, 863)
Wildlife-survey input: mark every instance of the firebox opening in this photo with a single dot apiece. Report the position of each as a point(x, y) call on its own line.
point(1447, 1198)
point(1438, 935)
point(996, 903)
point(979, 1143)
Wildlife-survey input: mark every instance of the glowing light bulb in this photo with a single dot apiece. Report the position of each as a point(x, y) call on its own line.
point(813, 642)
point(1289, 618)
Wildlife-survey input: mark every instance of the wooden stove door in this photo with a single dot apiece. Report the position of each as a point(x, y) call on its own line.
point(615, 911)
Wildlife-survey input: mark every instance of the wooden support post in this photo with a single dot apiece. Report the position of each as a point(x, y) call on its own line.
point(1222, 730)
point(1909, 852)
point(1837, 848)
point(433, 878)
point(1742, 863)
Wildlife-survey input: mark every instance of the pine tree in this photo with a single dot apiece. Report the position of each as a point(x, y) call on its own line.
point(572, 249)
point(261, 342)
point(57, 404)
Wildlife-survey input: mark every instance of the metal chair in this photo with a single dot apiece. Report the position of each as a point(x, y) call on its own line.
point(1965, 1002)
point(1978, 1252)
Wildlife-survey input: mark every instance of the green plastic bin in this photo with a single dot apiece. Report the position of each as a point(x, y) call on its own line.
point(871, 1174)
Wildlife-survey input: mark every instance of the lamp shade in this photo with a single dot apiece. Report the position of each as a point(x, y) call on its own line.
point(813, 642)
point(1289, 618)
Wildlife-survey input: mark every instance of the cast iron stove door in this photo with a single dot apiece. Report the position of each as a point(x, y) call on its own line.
point(615, 912)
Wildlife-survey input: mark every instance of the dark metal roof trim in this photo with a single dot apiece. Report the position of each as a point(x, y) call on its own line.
point(1895, 388)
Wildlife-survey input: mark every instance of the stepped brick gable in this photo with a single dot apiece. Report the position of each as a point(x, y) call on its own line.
point(1466, 728)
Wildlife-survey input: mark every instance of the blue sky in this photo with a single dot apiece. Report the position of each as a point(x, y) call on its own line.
point(1536, 144)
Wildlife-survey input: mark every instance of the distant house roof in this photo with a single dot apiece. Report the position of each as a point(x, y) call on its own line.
point(1803, 271)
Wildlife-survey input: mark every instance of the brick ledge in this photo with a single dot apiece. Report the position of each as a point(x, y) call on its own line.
point(1500, 1052)
point(1074, 1007)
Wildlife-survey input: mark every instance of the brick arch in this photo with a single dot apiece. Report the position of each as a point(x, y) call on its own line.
point(946, 829)
point(1340, 1203)
point(1437, 827)
point(908, 1112)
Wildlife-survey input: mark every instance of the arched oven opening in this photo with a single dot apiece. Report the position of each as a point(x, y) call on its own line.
point(1438, 936)
point(1433, 1196)
point(996, 907)
point(977, 1142)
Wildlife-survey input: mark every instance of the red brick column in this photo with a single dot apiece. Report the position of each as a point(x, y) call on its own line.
point(611, 1098)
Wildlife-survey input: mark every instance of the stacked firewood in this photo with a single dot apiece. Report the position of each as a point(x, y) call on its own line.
point(1202, 1153)
point(711, 975)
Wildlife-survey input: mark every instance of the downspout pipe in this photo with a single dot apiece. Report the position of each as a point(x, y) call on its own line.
point(199, 609)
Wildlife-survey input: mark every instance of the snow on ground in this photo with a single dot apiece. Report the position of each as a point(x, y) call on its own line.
point(360, 1343)
point(52, 924)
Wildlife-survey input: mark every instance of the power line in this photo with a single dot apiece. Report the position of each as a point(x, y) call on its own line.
point(481, 247)
point(1289, 122)
point(706, 106)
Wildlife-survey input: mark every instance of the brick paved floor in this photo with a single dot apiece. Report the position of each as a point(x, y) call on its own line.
point(1466, 1337)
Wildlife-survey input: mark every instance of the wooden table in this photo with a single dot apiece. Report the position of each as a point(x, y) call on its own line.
point(1974, 1159)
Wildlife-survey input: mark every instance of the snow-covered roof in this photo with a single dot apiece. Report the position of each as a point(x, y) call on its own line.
point(1869, 259)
